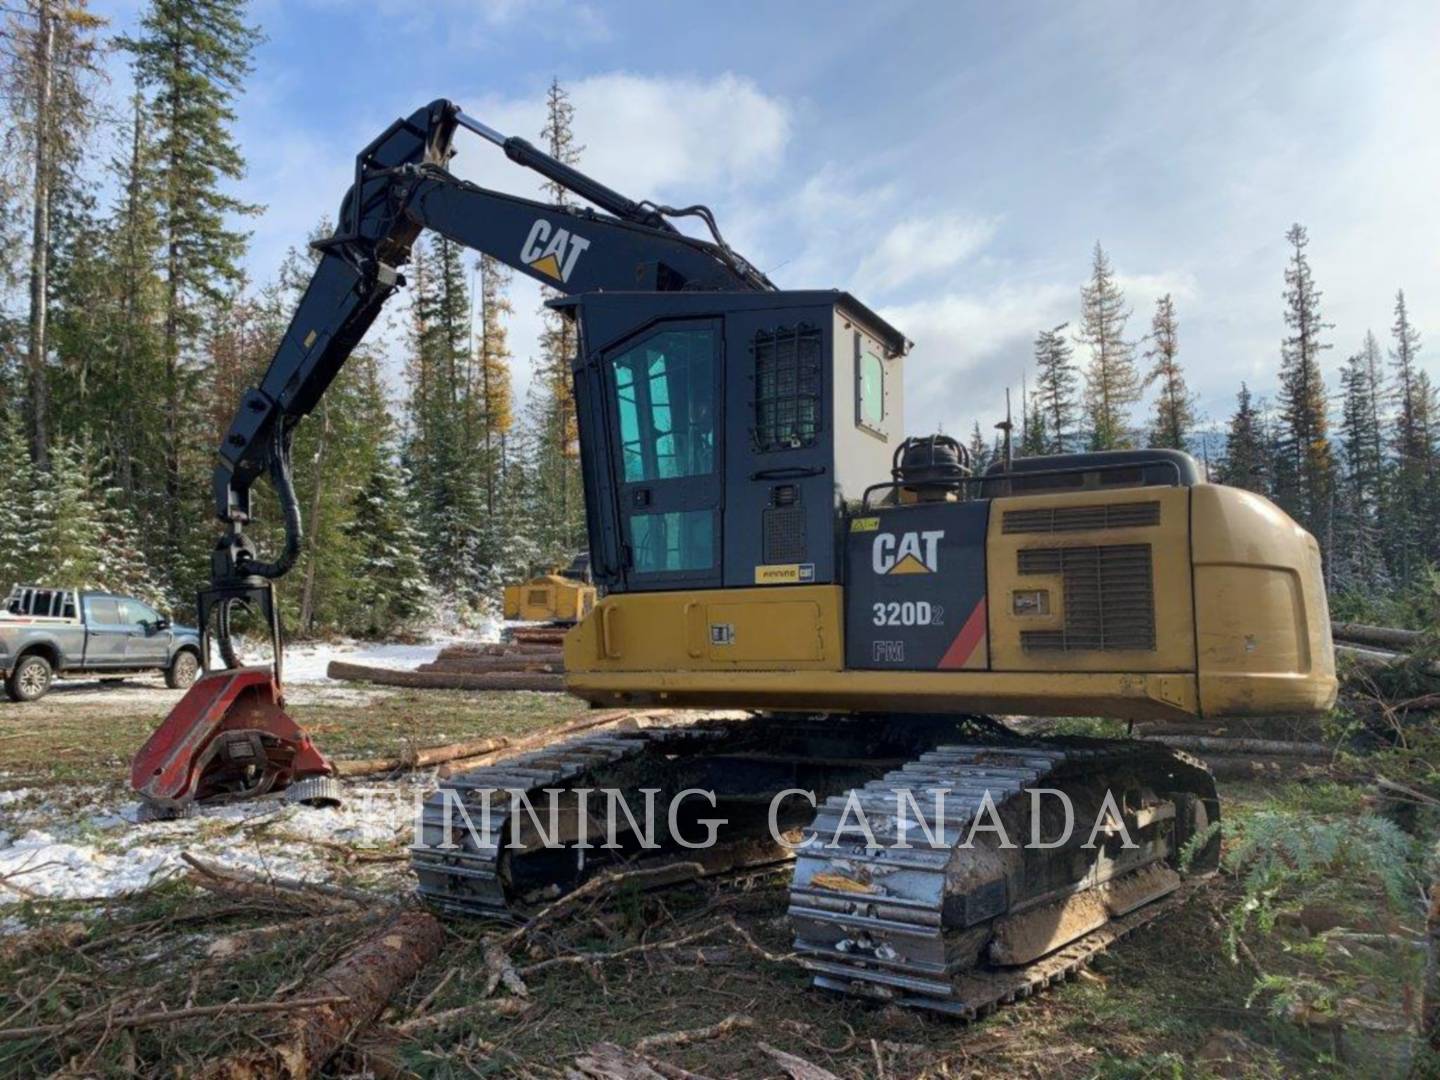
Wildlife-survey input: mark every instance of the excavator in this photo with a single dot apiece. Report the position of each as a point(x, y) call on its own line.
point(765, 538)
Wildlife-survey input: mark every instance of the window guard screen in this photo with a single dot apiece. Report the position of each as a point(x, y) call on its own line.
point(787, 387)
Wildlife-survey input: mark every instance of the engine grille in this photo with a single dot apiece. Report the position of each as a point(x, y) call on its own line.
point(538, 596)
point(1057, 519)
point(1109, 598)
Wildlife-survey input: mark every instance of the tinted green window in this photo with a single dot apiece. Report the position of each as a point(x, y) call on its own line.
point(665, 398)
point(870, 390)
point(684, 540)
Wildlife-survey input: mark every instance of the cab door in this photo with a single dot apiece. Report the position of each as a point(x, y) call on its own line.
point(664, 413)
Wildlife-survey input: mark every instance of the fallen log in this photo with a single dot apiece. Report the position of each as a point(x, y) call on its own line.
point(423, 758)
point(1210, 744)
point(1379, 659)
point(330, 894)
point(103, 1018)
point(607, 1061)
point(484, 665)
point(366, 978)
point(437, 680)
point(797, 1068)
point(494, 648)
point(1376, 635)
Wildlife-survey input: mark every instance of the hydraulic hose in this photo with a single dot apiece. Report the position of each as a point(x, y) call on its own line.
point(280, 475)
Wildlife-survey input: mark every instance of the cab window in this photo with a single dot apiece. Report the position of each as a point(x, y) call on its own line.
point(869, 390)
point(665, 400)
point(136, 613)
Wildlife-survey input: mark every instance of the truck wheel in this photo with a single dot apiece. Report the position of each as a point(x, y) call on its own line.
point(181, 673)
point(30, 680)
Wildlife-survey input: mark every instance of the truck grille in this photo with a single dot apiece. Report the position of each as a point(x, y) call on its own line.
point(1109, 598)
point(1057, 519)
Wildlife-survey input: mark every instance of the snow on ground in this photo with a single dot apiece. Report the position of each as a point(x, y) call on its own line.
point(108, 852)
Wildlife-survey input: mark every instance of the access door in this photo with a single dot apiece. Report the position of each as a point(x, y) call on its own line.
point(668, 439)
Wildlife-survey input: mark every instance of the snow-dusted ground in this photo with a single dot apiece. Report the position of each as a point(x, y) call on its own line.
point(54, 852)
point(81, 844)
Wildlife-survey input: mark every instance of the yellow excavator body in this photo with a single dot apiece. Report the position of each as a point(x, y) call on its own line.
point(1230, 587)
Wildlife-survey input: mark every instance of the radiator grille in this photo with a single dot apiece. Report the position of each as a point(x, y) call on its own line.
point(539, 596)
point(1109, 598)
point(1057, 519)
point(784, 534)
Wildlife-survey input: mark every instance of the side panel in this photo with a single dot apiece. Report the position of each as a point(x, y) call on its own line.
point(1262, 618)
point(711, 630)
point(915, 588)
point(1092, 581)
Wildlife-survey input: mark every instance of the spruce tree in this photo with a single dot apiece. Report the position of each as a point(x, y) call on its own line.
point(494, 393)
point(191, 58)
point(20, 541)
point(980, 458)
point(1175, 405)
point(558, 447)
point(1246, 463)
point(1410, 528)
point(1358, 526)
point(1055, 404)
point(1112, 384)
point(391, 588)
point(1305, 466)
point(49, 84)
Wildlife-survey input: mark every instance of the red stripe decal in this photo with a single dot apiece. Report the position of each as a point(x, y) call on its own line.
point(965, 643)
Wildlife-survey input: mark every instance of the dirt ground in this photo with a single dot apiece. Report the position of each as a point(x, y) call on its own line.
point(98, 917)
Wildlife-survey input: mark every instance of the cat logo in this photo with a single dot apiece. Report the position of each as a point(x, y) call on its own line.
point(553, 252)
point(911, 553)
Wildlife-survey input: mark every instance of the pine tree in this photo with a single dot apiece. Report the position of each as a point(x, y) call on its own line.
point(1112, 384)
point(1175, 407)
point(1358, 526)
point(391, 589)
point(191, 58)
point(555, 412)
point(1304, 467)
point(20, 542)
point(980, 458)
point(1246, 463)
point(49, 86)
point(1411, 525)
point(494, 396)
point(1056, 406)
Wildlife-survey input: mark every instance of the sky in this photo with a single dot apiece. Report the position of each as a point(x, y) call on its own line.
point(951, 164)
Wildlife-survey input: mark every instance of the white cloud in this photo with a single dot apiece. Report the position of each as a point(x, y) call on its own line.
point(920, 247)
point(969, 347)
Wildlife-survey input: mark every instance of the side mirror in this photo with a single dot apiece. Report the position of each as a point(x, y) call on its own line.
point(162, 623)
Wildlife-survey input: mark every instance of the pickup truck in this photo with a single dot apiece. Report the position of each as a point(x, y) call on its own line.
point(48, 633)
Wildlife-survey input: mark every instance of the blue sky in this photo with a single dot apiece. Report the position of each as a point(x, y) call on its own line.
point(951, 163)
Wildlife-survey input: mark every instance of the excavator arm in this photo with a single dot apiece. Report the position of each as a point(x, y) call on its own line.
point(230, 737)
point(402, 187)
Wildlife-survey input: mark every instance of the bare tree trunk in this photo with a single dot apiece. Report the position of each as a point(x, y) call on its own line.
point(40, 236)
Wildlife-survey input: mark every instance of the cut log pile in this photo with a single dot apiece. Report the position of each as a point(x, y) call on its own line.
point(1374, 647)
point(511, 665)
